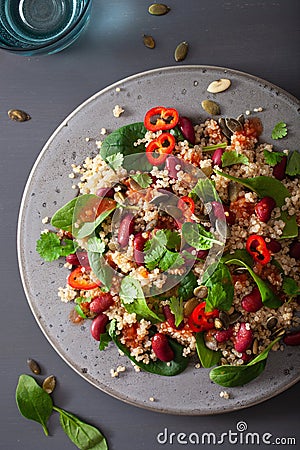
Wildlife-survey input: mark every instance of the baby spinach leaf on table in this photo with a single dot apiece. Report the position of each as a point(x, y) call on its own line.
point(208, 357)
point(268, 297)
point(233, 157)
point(187, 285)
point(133, 299)
point(122, 140)
point(101, 269)
point(279, 131)
point(273, 158)
point(205, 190)
point(64, 217)
point(50, 247)
point(84, 436)
point(33, 402)
point(269, 187)
point(143, 179)
point(197, 236)
point(293, 164)
point(174, 367)
point(217, 279)
point(176, 306)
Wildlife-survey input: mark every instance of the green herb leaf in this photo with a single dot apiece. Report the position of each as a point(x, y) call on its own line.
point(95, 245)
point(176, 306)
point(293, 164)
point(105, 339)
point(158, 253)
point(170, 259)
point(50, 247)
point(143, 179)
point(208, 357)
point(218, 280)
point(196, 236)
point(211, 148)
point(268, 297)
point(233, 157)
point(133, 300)
point(279, 131)
point(290, 287)
point(87, 228)
point(265, 353)
point(273, 158)
point(205, 191)
point(33, 402)
point(101, 269)
point(79, 311)
point(116, 160)
point(63, 218)
point(84, 436)
point(173, 239)
point(174, 367)
point(187, 286)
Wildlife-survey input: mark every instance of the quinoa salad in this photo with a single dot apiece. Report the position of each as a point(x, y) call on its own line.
point(182, 245)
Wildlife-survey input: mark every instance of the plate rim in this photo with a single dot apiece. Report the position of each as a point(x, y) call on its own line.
point(22, 207)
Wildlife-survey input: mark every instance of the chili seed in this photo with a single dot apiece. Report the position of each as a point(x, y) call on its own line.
point(211, 107)
point(158, 9)
point(49, 384)
point(181, 51)
point(33, 366)
point(149, 42)
point(18, 115)
point(219, 85)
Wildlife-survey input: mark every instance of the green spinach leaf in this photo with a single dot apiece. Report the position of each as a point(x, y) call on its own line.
point(64, 217)
point(293, 164)
point(208, 357)
point(187, 285)
point(290, 287)
point(158, 253)
point(33, 402)
point(204, 190)
point(87, 228)
point(84, 436)
point(217, 279)
point(174, 367)
point(196, 236)
point(101, 269)
point(233, 157)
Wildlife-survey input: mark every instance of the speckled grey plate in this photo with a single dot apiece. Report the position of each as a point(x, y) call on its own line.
point(49, 187)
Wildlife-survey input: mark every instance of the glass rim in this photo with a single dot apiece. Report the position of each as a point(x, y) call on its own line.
point(50, 43)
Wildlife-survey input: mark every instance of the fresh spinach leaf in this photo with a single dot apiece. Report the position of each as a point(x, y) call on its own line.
point(265, 353)
point(122, 141)
point(269, 298)
point(187, 285)
point(197, 236)
point(293, 164)
point(233, 157)
point(217, 279)
point(273, 158)
point(174, 367)
point(101, 269)
point(204, 190)
point(176, 306)
point(208, 357)
point(133, 299)
point(33, 402)
point(84, 436)
point(143, 179)
point(177, 134)
point(87, 228)
point(50, 247)
point(290, 287)
point(64, 217)
point(269, 187)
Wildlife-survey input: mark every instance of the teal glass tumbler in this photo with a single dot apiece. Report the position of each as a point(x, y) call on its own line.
point(36, 27)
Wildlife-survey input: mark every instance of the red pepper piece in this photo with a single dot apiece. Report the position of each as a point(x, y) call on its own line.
point(79, 279)
point(158, 149)
point(256, 246)
point(185, 202)
point(161, 118)
point(200, 320)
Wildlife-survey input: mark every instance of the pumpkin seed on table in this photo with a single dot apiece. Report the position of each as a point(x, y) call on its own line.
point(49, 384)
point(148, 40)
point(220, 85)
point(181, 51)
point(211, 107)
point(18, 115)
point(158, 9)
point(33, 366)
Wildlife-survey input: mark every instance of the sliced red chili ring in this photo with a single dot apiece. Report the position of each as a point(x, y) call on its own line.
point(79, 279)
point(256, 246)
point(200, 320)
point(161, 118)
point(186, 201)
point(158, 149)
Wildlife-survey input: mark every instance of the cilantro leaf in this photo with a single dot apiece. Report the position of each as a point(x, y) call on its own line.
point(187, 286)
point(293, 164)
point(273, 158)
point(233, 157)
point(279, 131)
point(95, 245)
point(158, 253)
point(173, 239)
point(196, 236)
point(116, 160)
point(170, 259)
point(176, 306)
point(104, 341)
point(50, 247)
point(143, 179)
point(290, 287)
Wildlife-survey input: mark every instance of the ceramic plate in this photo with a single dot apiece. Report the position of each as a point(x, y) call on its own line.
point(49, 187)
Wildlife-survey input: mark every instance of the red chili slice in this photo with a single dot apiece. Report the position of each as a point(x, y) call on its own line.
point(81, 280)
point(256, 246)
point(186, 201)
point(200, 320)
point(161, 118)
point(158, 149)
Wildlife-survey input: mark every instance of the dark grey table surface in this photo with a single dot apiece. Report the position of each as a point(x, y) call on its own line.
point(259, 37)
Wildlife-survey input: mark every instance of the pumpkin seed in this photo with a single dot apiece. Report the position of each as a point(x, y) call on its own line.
point(158, 9)
point(233, 124)
point(278, 333)
point(189, 306)
point(224, 317)
point(224, 128)
point(211, 107)
point(18, 115)
point(219, 86)
point(255, 347)
point(33, 366)
point(241, 119)
point(134, 185)
point(119, 197)
point(149, 42)
point(181, 51)
point(234, 317)
point(272, 322)
point(210, 341)
point(233, 190)
point(201, 291)
point(49, 384)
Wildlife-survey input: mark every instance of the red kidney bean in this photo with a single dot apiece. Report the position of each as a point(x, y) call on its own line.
point(279, 169)
point(243, 339)
point(252, 302)
point(161, 347)
point(222, 212)
point(202, 254)
point(106, 192)
point(98, 326)
point(125, 229)
point(224, 335)
point(138, 248)
point(101, 303)
point(273, 246)
point(79, 259)
point(295, 250)
point(264, 208)
point(187, 129)
point(72, 259)
point(217, 157)
point(171, 164)
point(170, 318)
point(292, 338)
